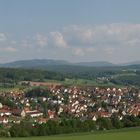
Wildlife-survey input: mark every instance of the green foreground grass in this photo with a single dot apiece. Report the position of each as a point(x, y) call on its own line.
point(124, 134)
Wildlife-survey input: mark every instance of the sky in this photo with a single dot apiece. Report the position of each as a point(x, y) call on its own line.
point(72, 30)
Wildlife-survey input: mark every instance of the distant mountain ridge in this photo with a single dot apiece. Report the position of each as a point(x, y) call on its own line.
point(96, 64)
point(51, 62)
point(132, 63)
point(34, 63)
point(43, 63)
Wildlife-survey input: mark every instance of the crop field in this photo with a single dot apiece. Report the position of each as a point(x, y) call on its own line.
point(84, 82)
point(118, 135)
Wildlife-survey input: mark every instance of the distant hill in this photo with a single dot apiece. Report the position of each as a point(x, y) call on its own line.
point(96, 64)
point(57, 65)
point(50, 62)
point(131, 63)
point(34, 63)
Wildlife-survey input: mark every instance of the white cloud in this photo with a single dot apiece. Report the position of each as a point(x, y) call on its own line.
point(10, 49)
point(111, 42)
point(58, 39)
point(78, 52)
point(109, 50)
point(2, 37)
point(103, 35)
point(7, 44)
point(90, 50)
point(26, 43)
point(41, 40)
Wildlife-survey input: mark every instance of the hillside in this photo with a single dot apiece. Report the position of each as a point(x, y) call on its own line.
point(56, 64)
point(49, 62)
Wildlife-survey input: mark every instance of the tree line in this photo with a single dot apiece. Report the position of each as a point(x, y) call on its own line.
point(65, 126)
point(11, 76)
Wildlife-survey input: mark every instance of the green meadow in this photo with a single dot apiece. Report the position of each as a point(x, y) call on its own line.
point(132, 134)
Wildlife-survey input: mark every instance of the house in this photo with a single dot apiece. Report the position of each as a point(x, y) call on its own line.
point(34, 113)
point(93, 116)
point(5, 112)
point(135, 112)
point(19, 112)
point(104, 114)
point(15, 120)
point(3, 120)
point(42, 99)
point(50, 114)
point(1, 106)
point(60, 110)
point(120, 117)
point(41, 120)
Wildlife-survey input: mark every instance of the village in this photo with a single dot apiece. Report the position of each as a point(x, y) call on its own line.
point(85, 103)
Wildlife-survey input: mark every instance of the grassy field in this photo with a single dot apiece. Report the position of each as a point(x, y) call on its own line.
point(84, 82)
point(126, 134)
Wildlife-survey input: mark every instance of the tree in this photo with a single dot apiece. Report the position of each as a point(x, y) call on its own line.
point(104, 123)
point(116, 122)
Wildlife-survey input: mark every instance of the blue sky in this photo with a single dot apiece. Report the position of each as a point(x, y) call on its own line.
point(73, 30)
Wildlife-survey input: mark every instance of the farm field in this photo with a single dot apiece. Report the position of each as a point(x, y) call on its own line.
point(84, 82)
point(118, 135)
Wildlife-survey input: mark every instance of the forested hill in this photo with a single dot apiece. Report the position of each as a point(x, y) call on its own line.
point(43, 63)
point(42, 70)
point(62, 64)
point(117, 75)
